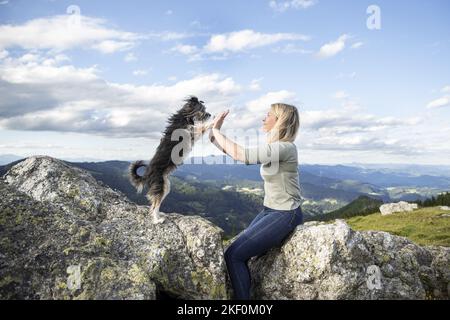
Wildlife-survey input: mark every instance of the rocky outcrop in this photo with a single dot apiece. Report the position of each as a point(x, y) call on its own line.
point(332, 261)
point(66, 236)
point(63, 235)
point(402, 206)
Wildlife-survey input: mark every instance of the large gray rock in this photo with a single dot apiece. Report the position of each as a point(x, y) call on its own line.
point(63, 235)
point(331, 261)
point(66, 236)
point(401, 206)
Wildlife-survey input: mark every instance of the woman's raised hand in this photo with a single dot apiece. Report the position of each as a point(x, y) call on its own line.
point(218, 120)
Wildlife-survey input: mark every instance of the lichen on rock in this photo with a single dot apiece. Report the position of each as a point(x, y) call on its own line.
point(54, 217)
point(63, 235)
point(332, 261)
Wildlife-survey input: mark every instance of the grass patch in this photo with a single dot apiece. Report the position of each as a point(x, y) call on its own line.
point(425, 226)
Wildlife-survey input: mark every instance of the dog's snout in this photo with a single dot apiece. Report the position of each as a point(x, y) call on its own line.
point(208, 115)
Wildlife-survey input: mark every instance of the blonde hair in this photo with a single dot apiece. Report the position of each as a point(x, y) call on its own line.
point(287, 125)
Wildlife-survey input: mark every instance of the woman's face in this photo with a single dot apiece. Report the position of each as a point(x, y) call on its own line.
point(269, 121)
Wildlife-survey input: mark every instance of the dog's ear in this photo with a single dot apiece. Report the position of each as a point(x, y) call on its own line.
point(192, 100)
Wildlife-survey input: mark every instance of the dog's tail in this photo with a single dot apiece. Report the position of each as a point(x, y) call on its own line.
point(136, 180)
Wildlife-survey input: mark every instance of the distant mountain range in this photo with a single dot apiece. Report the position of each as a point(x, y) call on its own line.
point(413, 169)
point(8, 158)
point(231, 195)
point(381, 176)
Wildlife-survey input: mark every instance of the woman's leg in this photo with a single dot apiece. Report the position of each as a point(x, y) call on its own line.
point(298, 217)
point(258, 217)
point(267, 232)
point(236, 261)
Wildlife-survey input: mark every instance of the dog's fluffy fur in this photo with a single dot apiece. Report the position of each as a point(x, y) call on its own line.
point(191, 117)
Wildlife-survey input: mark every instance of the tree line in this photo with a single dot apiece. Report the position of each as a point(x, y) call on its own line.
point(442, 199)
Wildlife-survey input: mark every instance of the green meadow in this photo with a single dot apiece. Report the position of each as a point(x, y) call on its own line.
point(424, 226)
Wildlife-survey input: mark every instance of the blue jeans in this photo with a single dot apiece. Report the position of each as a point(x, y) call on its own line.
point(269, 228)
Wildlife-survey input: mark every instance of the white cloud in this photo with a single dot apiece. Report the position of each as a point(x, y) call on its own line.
point(282, 6)
point(291, 48)
point(198, 25)
point(32, 69)
point(221, 46)
point(192, 52)
point(357, 45)
point(41, 92)
point(61, 97)
point(251, 115)
point(111, 46)
point(255, 85)
point(124, 110)
point(340, 95)
point(4, 2)
point(354, 132)
point(140, 72)
point(170, 35)
point(360, 143)
point(445, 89)
point(130, 57)
point(347, 128)
point(332, 48)
point(3, 54)
point(64, 32)
point(438, 103)
point(185, 49)
point(169, 12)
point(55, 60)
point(247, 39)
point(441, 102)
point(348, 119)
point(262, 104)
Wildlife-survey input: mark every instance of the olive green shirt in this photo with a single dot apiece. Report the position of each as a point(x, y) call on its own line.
point(279, 170)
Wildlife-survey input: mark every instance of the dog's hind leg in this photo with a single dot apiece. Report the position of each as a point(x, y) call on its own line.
point(156, 200)
point(166, 187)
point(155, 214)
point(159, 216)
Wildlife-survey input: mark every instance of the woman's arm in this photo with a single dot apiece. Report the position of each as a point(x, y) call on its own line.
point(226, 145)
point(267, 153)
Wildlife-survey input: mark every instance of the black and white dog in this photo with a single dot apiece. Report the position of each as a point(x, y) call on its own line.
point(189, 124)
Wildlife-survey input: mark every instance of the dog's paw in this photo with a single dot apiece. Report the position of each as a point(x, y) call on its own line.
point(209, 125)
point(159, 218)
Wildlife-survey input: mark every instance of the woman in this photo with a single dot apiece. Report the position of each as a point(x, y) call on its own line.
point(282, 212)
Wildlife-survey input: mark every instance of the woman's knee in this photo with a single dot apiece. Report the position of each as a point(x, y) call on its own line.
point(230, 254)
point(236, 250)
point(299, 219)
point(227, 254)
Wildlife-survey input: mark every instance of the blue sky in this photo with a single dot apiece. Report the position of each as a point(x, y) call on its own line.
point(101, 84)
